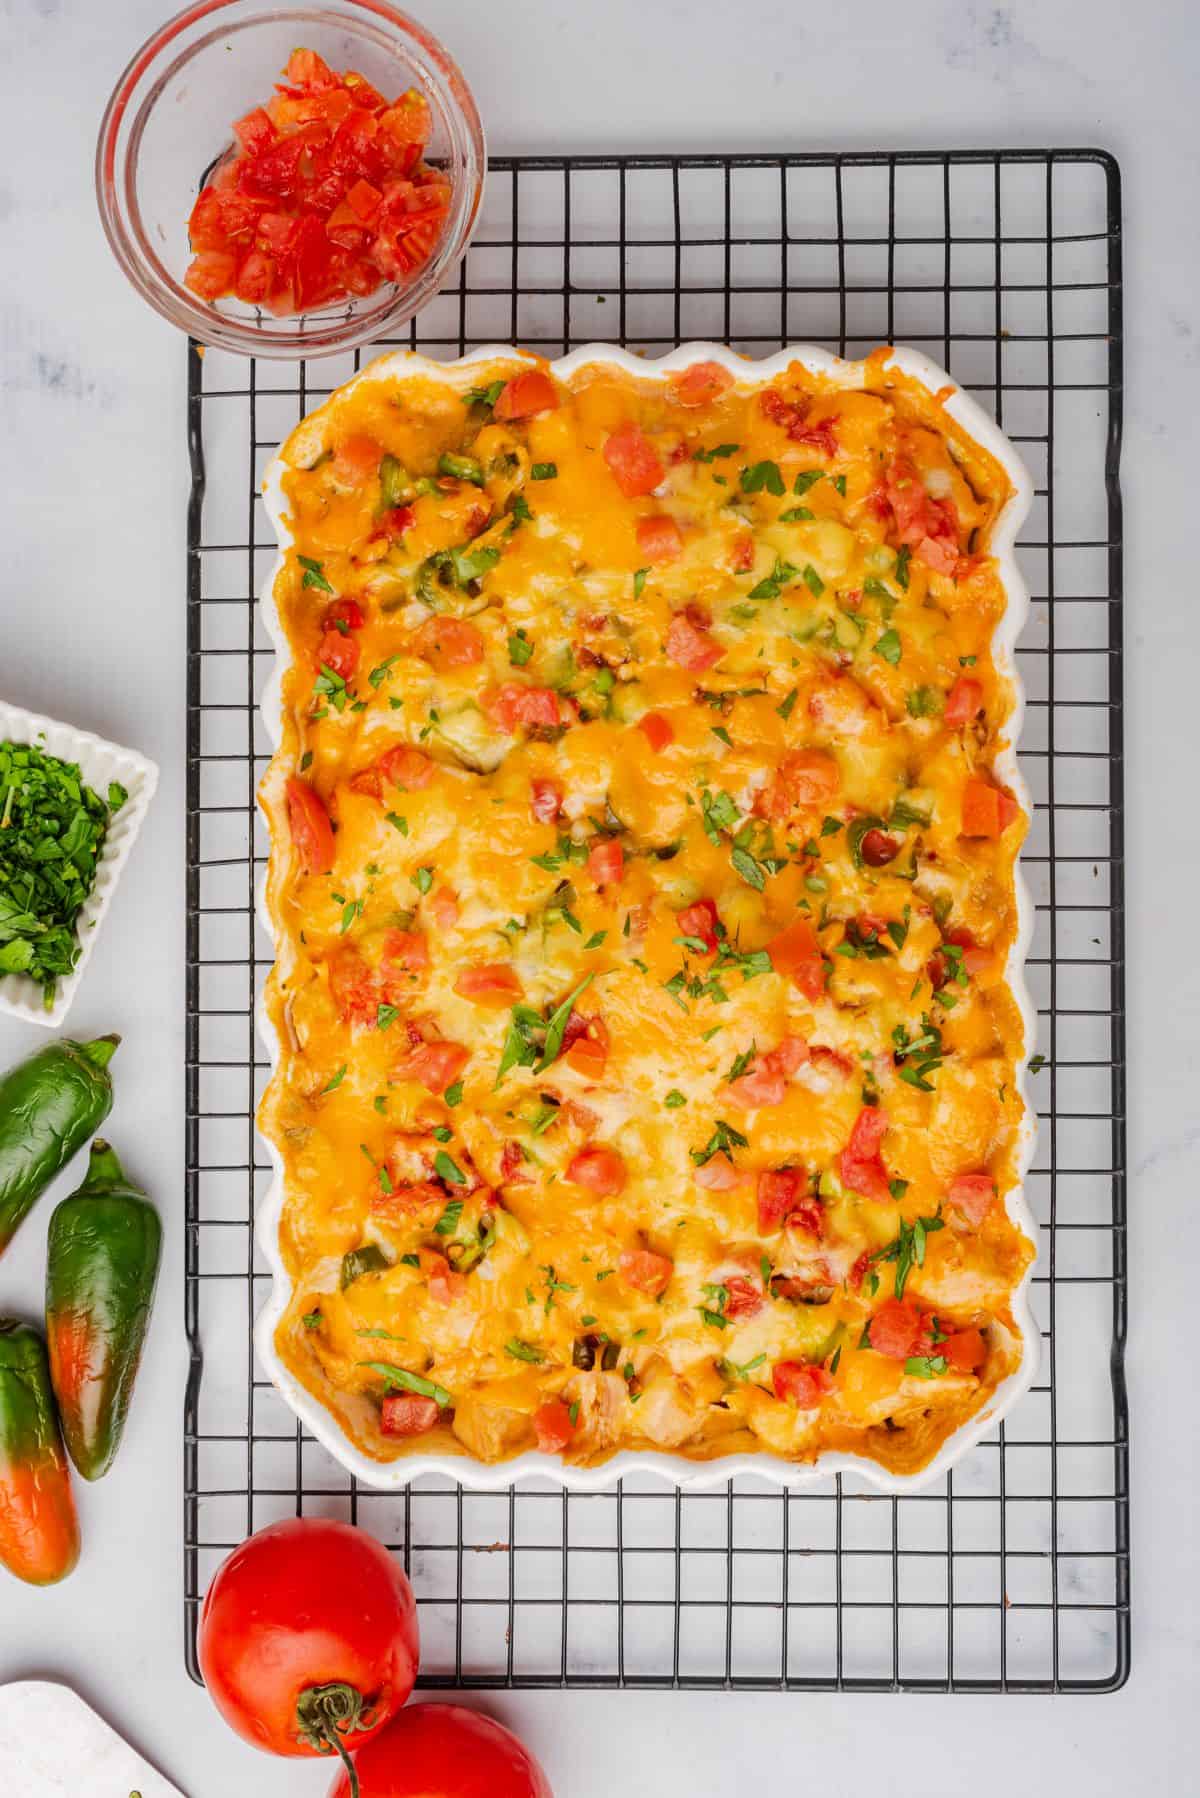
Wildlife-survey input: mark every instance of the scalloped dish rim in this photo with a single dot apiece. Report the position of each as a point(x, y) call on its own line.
point(679, 1470)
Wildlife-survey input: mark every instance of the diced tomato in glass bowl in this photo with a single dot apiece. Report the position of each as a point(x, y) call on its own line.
point(301, 221)
point(326, 194)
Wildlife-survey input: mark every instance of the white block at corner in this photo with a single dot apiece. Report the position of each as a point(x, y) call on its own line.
point(53, 1745)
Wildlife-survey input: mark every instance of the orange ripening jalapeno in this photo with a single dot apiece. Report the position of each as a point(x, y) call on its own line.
point(39, 1534)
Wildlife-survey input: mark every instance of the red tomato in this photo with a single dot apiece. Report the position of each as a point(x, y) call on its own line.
point(645, 1271)
point(693, 648)
point(331, 160)
point(657, 731)
point(761, 1086)
point(255, 131)
point(796, 954)
point(493, 984)
point(308, 1604)
point(312, 833)
point(790, 1053)
point(938, 553)
point(811, 776)
point(987, 810)
point(211, 273)
point(445, 1751)
point(597, 1169)
point(512, 704)
point(745, 1298)
point(553, 1427)
point(803, 1385)
point(407, 1414)
point(586, 1046)
point(406, 767)
point(634, 461)
point(409, 120)
point(870, 1128)
point(407, 949)
point(659, 538)
point(526, 394)
point(965, 1350)
point(700, 921)
point(545, 800)
point(972, 1195)
point(964, 700)
point(443, 1283)
point(606, 862)
point(448, 642)
point(255, 278)
point(340, 653)
point(878, 849)
point(699, 383)
point(305, 69)
point(435, 1065)
point(780, 1192)
point(897, 1329)
point(344, 611)
point(860, 1165)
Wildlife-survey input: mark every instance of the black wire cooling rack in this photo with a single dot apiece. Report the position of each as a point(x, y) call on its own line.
point(1012, 1573)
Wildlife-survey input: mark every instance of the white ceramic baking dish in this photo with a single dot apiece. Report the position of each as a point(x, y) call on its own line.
point(99, 763)
point(677, 1469)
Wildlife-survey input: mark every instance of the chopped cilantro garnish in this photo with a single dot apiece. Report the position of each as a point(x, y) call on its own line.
point(760, 475)
point(723, 1140)
point(889, 647)
point(410, 1382)
point(314, 575)
point(52, 829)
point(926, 1367)
point(908, 1250)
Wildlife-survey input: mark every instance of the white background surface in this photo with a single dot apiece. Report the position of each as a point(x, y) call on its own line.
point(92, 629)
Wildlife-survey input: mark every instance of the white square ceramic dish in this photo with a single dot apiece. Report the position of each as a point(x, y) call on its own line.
point(99, 763)
point(678, 1470)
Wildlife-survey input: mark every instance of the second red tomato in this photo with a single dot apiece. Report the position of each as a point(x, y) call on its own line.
point(444, 1751)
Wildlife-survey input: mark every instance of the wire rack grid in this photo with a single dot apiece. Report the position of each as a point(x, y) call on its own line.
point(1012, 1573)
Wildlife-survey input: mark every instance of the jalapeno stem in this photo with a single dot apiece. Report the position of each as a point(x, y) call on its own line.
point(101, 1052)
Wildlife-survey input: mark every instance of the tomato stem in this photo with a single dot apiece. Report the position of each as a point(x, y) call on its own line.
point(326, 1714)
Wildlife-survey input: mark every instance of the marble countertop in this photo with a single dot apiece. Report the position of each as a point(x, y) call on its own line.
point(94, 502)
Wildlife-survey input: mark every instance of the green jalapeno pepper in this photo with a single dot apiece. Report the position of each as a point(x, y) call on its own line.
point(49, 1106)
point(101, 1269)
point(39, 1533)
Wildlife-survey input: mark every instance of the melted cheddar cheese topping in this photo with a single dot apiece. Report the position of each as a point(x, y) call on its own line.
point(643, 893)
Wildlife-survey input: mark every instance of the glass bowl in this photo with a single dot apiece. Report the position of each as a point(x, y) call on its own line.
point(169, 120)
